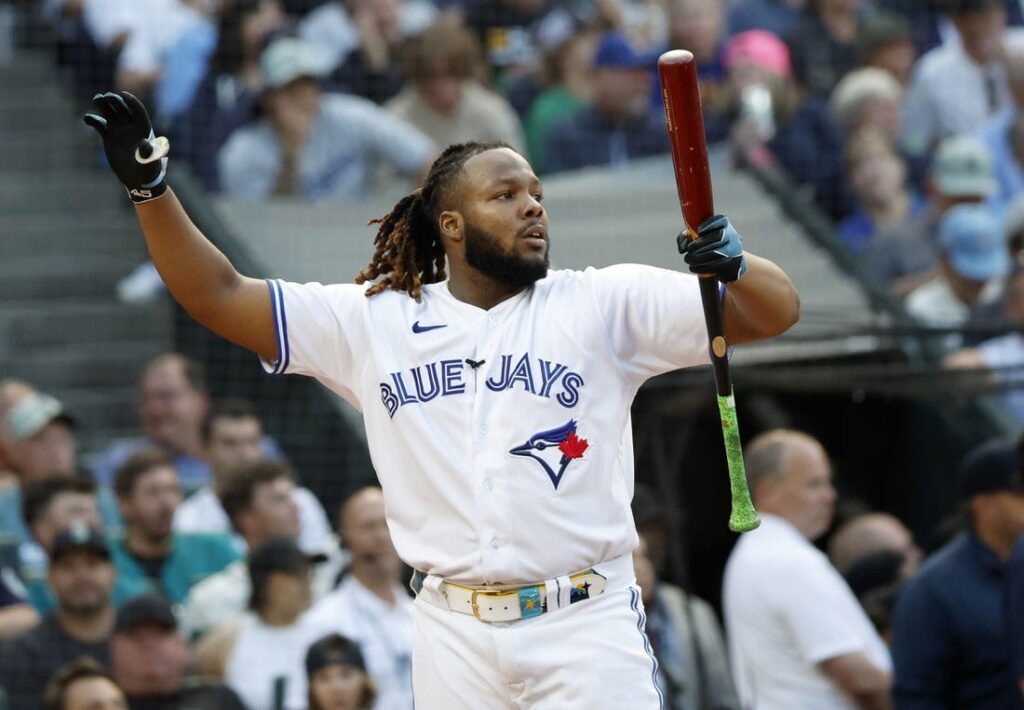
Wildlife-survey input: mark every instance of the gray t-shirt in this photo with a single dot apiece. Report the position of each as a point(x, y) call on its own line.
point(349, 140)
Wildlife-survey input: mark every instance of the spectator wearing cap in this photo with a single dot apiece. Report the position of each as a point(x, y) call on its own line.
point(233, 441)
point(958, 85)
point(798, 637)
point(16, 614)
point(620, 126)
point(337, 676)
point(1002, 355)
point(260, 656)
point(149, 660)
point(906, 256)
point(37, 444)
point(314, 146)
point(443, 96)
point(775, 16)
point(370, 606)
point(81, 576)
point(50, 507)
point(84, 684)
point(973, 265)
point(884, 42)
point(260, 501)
point(759, 86)
point(228, 94)
point(150, 553)
point(36, 433)
point(693, 668)
point(951, 646)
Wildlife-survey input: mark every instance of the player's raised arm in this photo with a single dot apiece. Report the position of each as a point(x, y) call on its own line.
point(197, 274)
point(764, 304)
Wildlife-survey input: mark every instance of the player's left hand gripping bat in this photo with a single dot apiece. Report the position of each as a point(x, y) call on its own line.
point(677, 71)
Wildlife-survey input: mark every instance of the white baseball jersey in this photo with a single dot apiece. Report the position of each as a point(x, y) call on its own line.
point(501, 437)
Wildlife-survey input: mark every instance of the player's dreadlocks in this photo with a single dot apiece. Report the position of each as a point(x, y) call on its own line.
point(408, 251)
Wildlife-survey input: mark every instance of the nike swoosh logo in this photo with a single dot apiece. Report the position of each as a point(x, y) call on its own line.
point(417, 328)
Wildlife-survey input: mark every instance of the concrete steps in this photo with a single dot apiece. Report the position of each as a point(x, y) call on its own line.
point(67, 236)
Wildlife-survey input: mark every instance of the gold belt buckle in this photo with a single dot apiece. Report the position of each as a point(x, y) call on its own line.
point(476, 607)
point(487, 593)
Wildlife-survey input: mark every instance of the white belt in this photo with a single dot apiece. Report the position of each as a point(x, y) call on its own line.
point(505, 603)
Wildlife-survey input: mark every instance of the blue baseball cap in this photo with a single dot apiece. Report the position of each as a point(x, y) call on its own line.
point(615, 52)
point(971, 238)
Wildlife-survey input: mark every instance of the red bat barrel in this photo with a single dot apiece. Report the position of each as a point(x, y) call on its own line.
point(677, 71)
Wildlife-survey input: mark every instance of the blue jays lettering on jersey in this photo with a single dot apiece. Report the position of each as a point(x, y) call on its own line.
point(538, 376)
point(501, 437)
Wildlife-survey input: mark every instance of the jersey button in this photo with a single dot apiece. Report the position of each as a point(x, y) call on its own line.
point(495, 543)
point(488, 484)
point(483, 428)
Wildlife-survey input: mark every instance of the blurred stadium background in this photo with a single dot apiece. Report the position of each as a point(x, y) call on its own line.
point(80, 314)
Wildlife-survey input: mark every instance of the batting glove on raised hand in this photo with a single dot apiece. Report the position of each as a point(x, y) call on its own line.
point(717, 250)
point(135, 154)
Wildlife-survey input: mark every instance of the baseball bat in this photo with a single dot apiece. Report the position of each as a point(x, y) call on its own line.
point(677, 72)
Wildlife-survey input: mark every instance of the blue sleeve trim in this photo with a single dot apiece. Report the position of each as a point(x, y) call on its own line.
point(280, 327)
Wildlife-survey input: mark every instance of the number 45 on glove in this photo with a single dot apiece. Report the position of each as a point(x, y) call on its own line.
point(137, 157)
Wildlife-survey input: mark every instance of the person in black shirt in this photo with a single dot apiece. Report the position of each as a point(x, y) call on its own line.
point(951, 643)
point(82, 578)
point(149, 659)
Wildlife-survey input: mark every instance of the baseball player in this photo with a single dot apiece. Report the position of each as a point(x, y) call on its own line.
point(496, 398)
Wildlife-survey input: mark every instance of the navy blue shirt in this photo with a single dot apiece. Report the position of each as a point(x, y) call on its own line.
point(770, 15)
point(951, 646)
point(1015, 606)
point(586, 138)
point(809, 147)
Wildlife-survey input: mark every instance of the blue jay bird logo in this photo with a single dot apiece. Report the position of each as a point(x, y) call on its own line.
point(564, 439)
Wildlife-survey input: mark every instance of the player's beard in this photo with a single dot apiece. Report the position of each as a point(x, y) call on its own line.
point(484, 253)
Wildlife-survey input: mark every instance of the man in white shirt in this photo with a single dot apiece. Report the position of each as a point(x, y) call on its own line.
point(974, 263)
point(370, 606)
point(957, 86)
point(797, 636)
point(233, 441)
point(260, 502)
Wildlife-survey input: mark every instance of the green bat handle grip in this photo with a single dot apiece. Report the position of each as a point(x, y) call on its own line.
point(743, 517)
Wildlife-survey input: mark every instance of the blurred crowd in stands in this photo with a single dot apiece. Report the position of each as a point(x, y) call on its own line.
point(899, 120)
point(189, 568)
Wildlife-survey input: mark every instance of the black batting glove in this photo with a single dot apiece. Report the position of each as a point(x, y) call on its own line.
point(135, 154)
point(717, 251)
